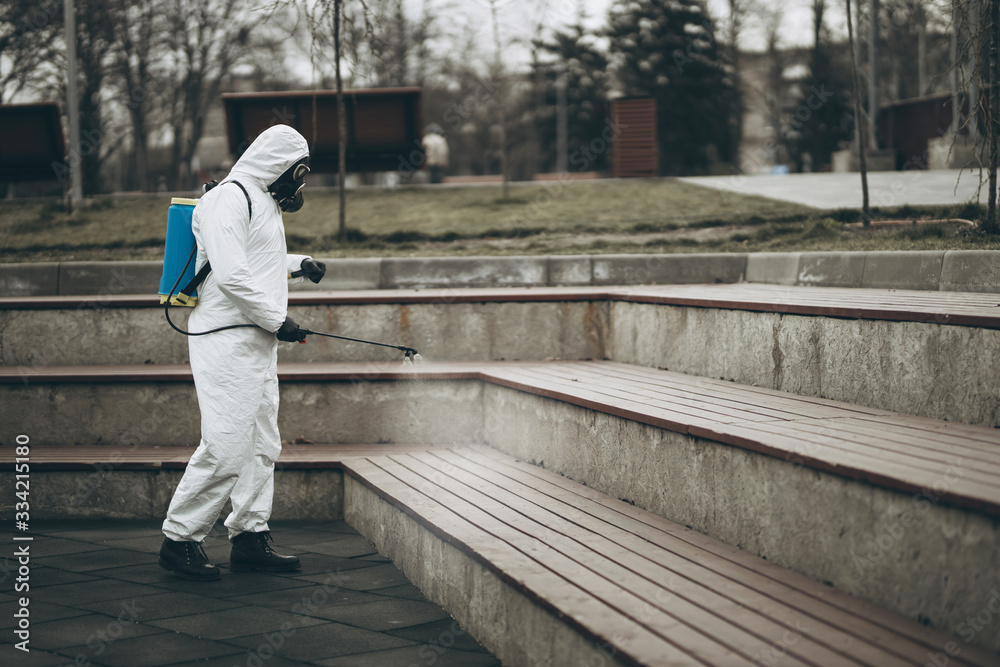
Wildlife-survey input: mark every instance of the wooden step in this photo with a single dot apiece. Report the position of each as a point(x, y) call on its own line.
point(956, 308)
point(656, 592)
point(899, 452)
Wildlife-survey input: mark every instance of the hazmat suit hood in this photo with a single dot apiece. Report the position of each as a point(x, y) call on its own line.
point(269, 156)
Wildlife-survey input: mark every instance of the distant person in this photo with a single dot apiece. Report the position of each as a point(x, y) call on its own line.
point(435, 152)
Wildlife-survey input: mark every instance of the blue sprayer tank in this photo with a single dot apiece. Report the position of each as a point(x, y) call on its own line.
point(180, 243)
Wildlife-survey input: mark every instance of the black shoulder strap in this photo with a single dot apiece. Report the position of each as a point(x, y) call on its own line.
point(205, 270)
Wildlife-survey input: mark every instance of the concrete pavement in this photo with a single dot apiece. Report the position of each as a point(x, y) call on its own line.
point(833, 191)
point(98, 597)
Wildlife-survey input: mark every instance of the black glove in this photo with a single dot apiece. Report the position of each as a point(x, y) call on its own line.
point(290, 332)
point(313, 270)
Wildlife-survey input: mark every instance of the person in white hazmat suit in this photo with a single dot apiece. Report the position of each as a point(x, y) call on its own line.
point(242, 235)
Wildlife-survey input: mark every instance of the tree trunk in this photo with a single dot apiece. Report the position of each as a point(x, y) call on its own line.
point(502, 116)
point(992, 112)
point(341, 122)
point(859, 122)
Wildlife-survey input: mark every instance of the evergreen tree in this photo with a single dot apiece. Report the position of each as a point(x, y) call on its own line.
point(667, 49)
point(575, 55)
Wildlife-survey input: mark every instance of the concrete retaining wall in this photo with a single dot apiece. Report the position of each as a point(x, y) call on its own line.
point(927, 561)
point(930, 370)
point(119, 415)
point(953, 270)
point(37, 339)
point(107, 493)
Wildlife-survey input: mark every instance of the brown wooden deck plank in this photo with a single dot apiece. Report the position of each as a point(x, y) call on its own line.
point(833, 444)
point(146, 457)
point(569, 379)
point(782, 400)
point(969, 433)
point(662, 394)
point(674, 420)
point(858, 303)
point(956, 308)
point(767, 403)
point(762, 616)
point(615, 577)
point(911, 443)
point(553, 590)
point(867, 621)
point(769, 438)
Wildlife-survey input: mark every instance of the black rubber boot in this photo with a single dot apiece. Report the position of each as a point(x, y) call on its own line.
point(188, 560)
point(251, 551)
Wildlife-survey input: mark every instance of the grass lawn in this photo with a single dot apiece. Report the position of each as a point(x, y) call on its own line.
point(661, 215)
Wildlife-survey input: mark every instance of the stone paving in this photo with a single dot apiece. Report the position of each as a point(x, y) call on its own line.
point(833, 191)
point(98, 597)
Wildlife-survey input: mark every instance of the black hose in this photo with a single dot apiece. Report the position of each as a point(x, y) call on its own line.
point(166, 307)
point(407, 351)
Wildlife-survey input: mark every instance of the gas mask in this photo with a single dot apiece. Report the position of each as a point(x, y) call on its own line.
point(287, 189)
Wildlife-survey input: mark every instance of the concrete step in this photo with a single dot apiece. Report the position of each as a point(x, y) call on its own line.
point(901, 511)
point(951, 270)
point(544, 571)
point(931, 354)
point(450, 325)
point(541, 569)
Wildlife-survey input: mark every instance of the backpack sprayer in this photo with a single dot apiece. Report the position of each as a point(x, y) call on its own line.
point(178, 260)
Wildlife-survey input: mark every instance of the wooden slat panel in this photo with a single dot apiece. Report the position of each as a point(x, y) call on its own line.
point(620, 586)
point(583, 609)
point(863, 619)
point(771, 438)
point(685, 580)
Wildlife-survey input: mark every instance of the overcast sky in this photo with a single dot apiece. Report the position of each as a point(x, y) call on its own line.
point(519, 17)
point(520, 20)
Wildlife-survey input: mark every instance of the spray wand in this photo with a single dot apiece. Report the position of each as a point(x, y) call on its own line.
point(408, 352)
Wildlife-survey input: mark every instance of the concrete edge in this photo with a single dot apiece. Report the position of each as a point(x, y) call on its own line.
point(951, 271)
point(516, 629)
point(113, 493)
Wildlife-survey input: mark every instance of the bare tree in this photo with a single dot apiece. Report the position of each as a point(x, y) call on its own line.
point(207, 39)
point(501, 115)
point(992, 30)
point(29, 37)
point(94, 45)
point(739, 11)
point(325, 19)
point(139, 39)
point(979, 23)
point(858, 121)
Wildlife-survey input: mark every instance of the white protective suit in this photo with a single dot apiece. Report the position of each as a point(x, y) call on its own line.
point(235, 371)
